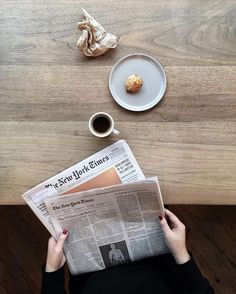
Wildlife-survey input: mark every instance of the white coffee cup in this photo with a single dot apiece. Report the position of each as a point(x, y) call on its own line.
point(101, 125)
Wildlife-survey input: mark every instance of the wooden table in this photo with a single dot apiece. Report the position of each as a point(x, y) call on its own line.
point(48, 91)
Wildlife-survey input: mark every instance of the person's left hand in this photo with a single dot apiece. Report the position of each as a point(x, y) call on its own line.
point(55, 256)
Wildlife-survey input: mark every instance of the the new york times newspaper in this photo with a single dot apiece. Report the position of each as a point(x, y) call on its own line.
point(111, 166)
point(110, 226)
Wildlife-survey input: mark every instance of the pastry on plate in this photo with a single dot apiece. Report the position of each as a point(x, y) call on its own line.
point(134, 83)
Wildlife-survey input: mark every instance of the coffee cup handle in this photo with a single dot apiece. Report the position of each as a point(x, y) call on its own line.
point(115, 132)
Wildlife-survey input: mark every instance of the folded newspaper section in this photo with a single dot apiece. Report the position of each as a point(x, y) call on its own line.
point(109, 226)
point(111, 166)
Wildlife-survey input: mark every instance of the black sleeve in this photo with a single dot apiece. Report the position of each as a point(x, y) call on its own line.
point(192, 280)
point(53, 282)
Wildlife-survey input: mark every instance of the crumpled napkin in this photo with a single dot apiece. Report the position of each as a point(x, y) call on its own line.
point(94, 40)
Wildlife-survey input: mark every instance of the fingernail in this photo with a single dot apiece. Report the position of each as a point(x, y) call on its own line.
point(160, 217)
point(65, 231)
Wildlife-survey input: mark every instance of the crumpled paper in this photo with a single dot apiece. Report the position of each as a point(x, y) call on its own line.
point(94, 40)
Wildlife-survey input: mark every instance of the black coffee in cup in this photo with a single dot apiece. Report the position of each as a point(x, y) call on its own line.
point(101, 124)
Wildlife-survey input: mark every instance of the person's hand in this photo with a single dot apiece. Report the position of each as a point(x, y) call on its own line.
point(55, 256)
point(175, 236)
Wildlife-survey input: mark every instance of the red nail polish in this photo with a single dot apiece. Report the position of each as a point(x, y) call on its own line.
point(65, 231)
point(160, 217)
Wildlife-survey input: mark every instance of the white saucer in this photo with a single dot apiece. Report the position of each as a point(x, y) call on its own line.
point(152, 74)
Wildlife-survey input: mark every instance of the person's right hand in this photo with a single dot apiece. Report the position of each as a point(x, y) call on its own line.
point(175, 236)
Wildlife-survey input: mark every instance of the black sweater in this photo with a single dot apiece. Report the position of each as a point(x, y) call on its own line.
point(154, 275)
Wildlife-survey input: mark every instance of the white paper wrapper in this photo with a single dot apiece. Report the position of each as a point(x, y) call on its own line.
point(94, 40)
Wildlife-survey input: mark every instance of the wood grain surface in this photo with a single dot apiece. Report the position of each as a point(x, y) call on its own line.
point(48, 91)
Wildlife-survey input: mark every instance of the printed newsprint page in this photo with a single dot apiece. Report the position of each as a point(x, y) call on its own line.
point(110, 226)
point(113, 165)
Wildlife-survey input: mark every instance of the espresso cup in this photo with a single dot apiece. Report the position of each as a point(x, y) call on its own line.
point(101, 125)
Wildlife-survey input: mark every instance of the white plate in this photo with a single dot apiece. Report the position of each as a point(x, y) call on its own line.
point(152, 74)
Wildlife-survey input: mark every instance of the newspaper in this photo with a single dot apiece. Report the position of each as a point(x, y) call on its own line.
point(110, 226)
point(113, 165)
